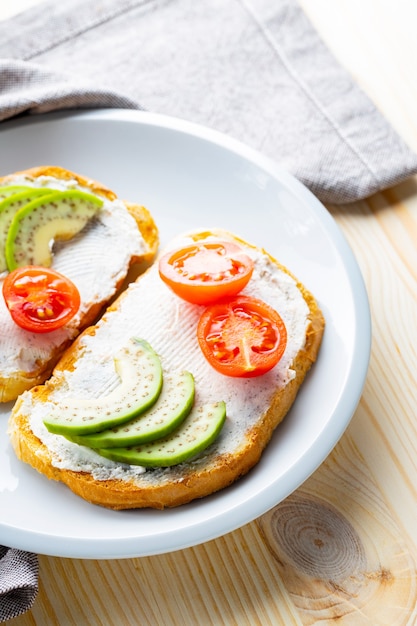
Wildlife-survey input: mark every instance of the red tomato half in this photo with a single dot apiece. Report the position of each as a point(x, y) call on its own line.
point(39, 299)
point(206, 271)
point(242, 336)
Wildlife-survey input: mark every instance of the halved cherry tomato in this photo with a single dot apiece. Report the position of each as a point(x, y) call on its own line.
point(242, 336)
point(206, 271)
point(40, 299)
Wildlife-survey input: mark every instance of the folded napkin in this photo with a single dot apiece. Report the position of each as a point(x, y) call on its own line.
point(254, 69)
point(18, 582)
point(29, 87)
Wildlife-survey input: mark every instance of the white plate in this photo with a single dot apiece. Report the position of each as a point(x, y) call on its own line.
point(191, 177)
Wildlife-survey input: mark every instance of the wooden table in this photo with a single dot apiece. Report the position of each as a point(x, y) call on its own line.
point(343, 548)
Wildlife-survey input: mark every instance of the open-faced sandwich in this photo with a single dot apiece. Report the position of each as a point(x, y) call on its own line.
point(52, 292)
point(176, 391)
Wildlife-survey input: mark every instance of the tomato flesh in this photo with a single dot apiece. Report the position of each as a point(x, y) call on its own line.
point(242, 336)
point(205, 271)
point(40, 299)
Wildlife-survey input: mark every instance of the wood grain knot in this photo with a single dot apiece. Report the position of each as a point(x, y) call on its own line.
point(316, 539)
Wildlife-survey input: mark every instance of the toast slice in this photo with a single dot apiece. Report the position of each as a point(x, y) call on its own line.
point(96, 260)
point(148, 309)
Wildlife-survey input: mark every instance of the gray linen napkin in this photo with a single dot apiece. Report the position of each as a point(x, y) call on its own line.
point(254, 69)
point(18, 582)
point(28, 87)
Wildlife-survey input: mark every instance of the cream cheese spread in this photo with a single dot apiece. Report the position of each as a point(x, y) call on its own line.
point(152, 312)
point(95, 260)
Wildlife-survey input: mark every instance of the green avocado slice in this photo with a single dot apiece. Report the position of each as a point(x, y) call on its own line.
point(36, 225)
point(140, 372)
point(9, 190)
point(195, 434)
point(172, 407)
point(11, 203)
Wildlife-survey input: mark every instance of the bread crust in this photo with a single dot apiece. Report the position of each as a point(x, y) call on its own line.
point(186, 482)
point(13, 385)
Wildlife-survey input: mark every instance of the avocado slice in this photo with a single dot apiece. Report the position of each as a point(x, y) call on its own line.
point(140, 372)
point(195, 434)
point(9, 190)
point(35, 226)
point(11, 203)
point(171, 408)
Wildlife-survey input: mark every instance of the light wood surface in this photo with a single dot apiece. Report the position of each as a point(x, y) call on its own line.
point(343, 548)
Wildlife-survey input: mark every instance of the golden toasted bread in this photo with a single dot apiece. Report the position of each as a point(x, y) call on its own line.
point(97, 261)
point(254, 406)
